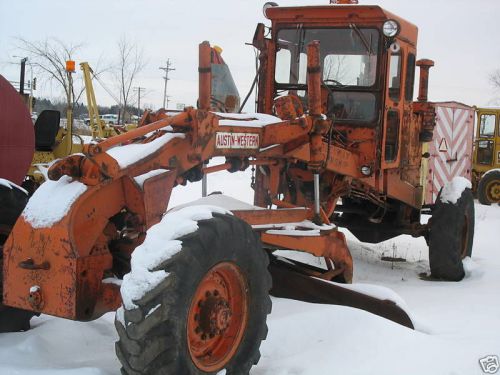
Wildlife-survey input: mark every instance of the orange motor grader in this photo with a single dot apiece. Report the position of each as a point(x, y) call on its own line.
point(337, 142)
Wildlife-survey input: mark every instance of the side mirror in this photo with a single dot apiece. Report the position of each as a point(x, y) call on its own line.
point(259, 37)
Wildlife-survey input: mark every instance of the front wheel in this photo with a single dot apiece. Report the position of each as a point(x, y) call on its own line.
point(488, 189)
point(451, 236)
point(210, 311)
point(12, 202)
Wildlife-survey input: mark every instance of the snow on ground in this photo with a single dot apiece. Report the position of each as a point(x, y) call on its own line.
point(458, 323)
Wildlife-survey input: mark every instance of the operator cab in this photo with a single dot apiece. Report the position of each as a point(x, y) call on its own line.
point(367, 58)
point(487, 131)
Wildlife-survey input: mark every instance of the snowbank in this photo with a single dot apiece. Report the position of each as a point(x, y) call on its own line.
point(453, 190)
point(161, 243)
point(52, 201)
point(220, 200)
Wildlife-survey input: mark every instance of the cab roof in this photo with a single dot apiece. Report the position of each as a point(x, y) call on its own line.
point(337, 15)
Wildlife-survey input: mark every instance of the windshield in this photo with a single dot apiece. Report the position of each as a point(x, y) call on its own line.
point(348, 56)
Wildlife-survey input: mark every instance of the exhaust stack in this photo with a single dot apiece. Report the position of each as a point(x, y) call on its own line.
point(423, 87)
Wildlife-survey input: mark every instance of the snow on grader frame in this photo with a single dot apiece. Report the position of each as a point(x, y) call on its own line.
point(195, 282)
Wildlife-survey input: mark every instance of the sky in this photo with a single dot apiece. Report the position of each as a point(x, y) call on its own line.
point(461, 36)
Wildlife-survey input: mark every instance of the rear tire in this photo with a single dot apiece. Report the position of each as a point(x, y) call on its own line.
point(12, 203)
point(451, 236)
point(488, 189)
point(184, 317)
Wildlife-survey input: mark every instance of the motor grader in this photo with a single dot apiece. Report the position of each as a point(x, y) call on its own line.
point(337, 142)
point(486, 161)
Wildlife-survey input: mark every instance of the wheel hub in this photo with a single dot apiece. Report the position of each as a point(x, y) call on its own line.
point(217, 317)
point(494, 191)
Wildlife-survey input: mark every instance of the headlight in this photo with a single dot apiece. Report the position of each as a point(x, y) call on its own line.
point(390, 28)
point(268, 5)
point(366, 170)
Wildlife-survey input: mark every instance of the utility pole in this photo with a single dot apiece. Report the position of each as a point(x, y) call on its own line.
point(139, 89)
point(166, 69)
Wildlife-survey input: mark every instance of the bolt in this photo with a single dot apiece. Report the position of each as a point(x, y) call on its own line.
point(211, 335)
point(208, 294)
point(203, 337)
point(197, 329)
point(216, 292)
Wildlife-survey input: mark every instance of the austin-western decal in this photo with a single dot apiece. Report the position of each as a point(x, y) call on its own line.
point(236, 140)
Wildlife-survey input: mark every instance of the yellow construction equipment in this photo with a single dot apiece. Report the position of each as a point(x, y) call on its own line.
point(486, 162)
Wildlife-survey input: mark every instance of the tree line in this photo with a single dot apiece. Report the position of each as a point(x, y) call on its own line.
point(80, 110)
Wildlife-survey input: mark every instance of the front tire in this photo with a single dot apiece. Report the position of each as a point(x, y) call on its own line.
point(12, 203)
point(451, 236)
point(209, 313)
point(488, 189)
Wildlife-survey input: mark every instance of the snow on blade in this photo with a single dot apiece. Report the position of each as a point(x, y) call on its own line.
point(129, 154)
point(52, 201)
point(143, 177)
point(11, 185)
point(375, 291)
point(452, 191)
point(251, 120)
point(161, 243)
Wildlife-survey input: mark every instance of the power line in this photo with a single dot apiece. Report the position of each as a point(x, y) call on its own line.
point(138, 90)
point(166, 69)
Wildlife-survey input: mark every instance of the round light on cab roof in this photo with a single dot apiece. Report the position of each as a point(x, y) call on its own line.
point(390, 28)
point(268, 5)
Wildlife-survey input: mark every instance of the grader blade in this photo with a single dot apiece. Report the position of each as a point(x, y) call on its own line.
point(292, 280)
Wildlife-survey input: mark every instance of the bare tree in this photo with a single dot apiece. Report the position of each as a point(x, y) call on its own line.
point(130, 63)
point(495, 79)
point(49, 58)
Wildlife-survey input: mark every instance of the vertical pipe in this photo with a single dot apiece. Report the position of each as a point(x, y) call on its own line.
point(423, 87)
point(21, 79)
point(314, 78)
point(316, 194)
point(204, 183)
point(205, 76)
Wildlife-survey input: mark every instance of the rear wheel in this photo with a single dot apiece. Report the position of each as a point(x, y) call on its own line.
point(12, 203)
point(210, 312)
point(488, 190)
point(451, 236)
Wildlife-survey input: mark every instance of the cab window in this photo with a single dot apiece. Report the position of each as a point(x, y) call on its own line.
point(395, 77)
point(487, 126)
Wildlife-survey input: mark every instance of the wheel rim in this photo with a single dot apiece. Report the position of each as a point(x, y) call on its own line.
point(217, 317)
point(493, 191)
point(465, 237)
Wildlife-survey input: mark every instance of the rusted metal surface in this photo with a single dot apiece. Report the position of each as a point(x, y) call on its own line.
point(17, 137)
point(331, 245)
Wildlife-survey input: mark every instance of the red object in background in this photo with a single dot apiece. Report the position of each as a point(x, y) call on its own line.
point(17, 136)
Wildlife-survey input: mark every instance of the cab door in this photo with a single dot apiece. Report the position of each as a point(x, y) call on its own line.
point(487, 153)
